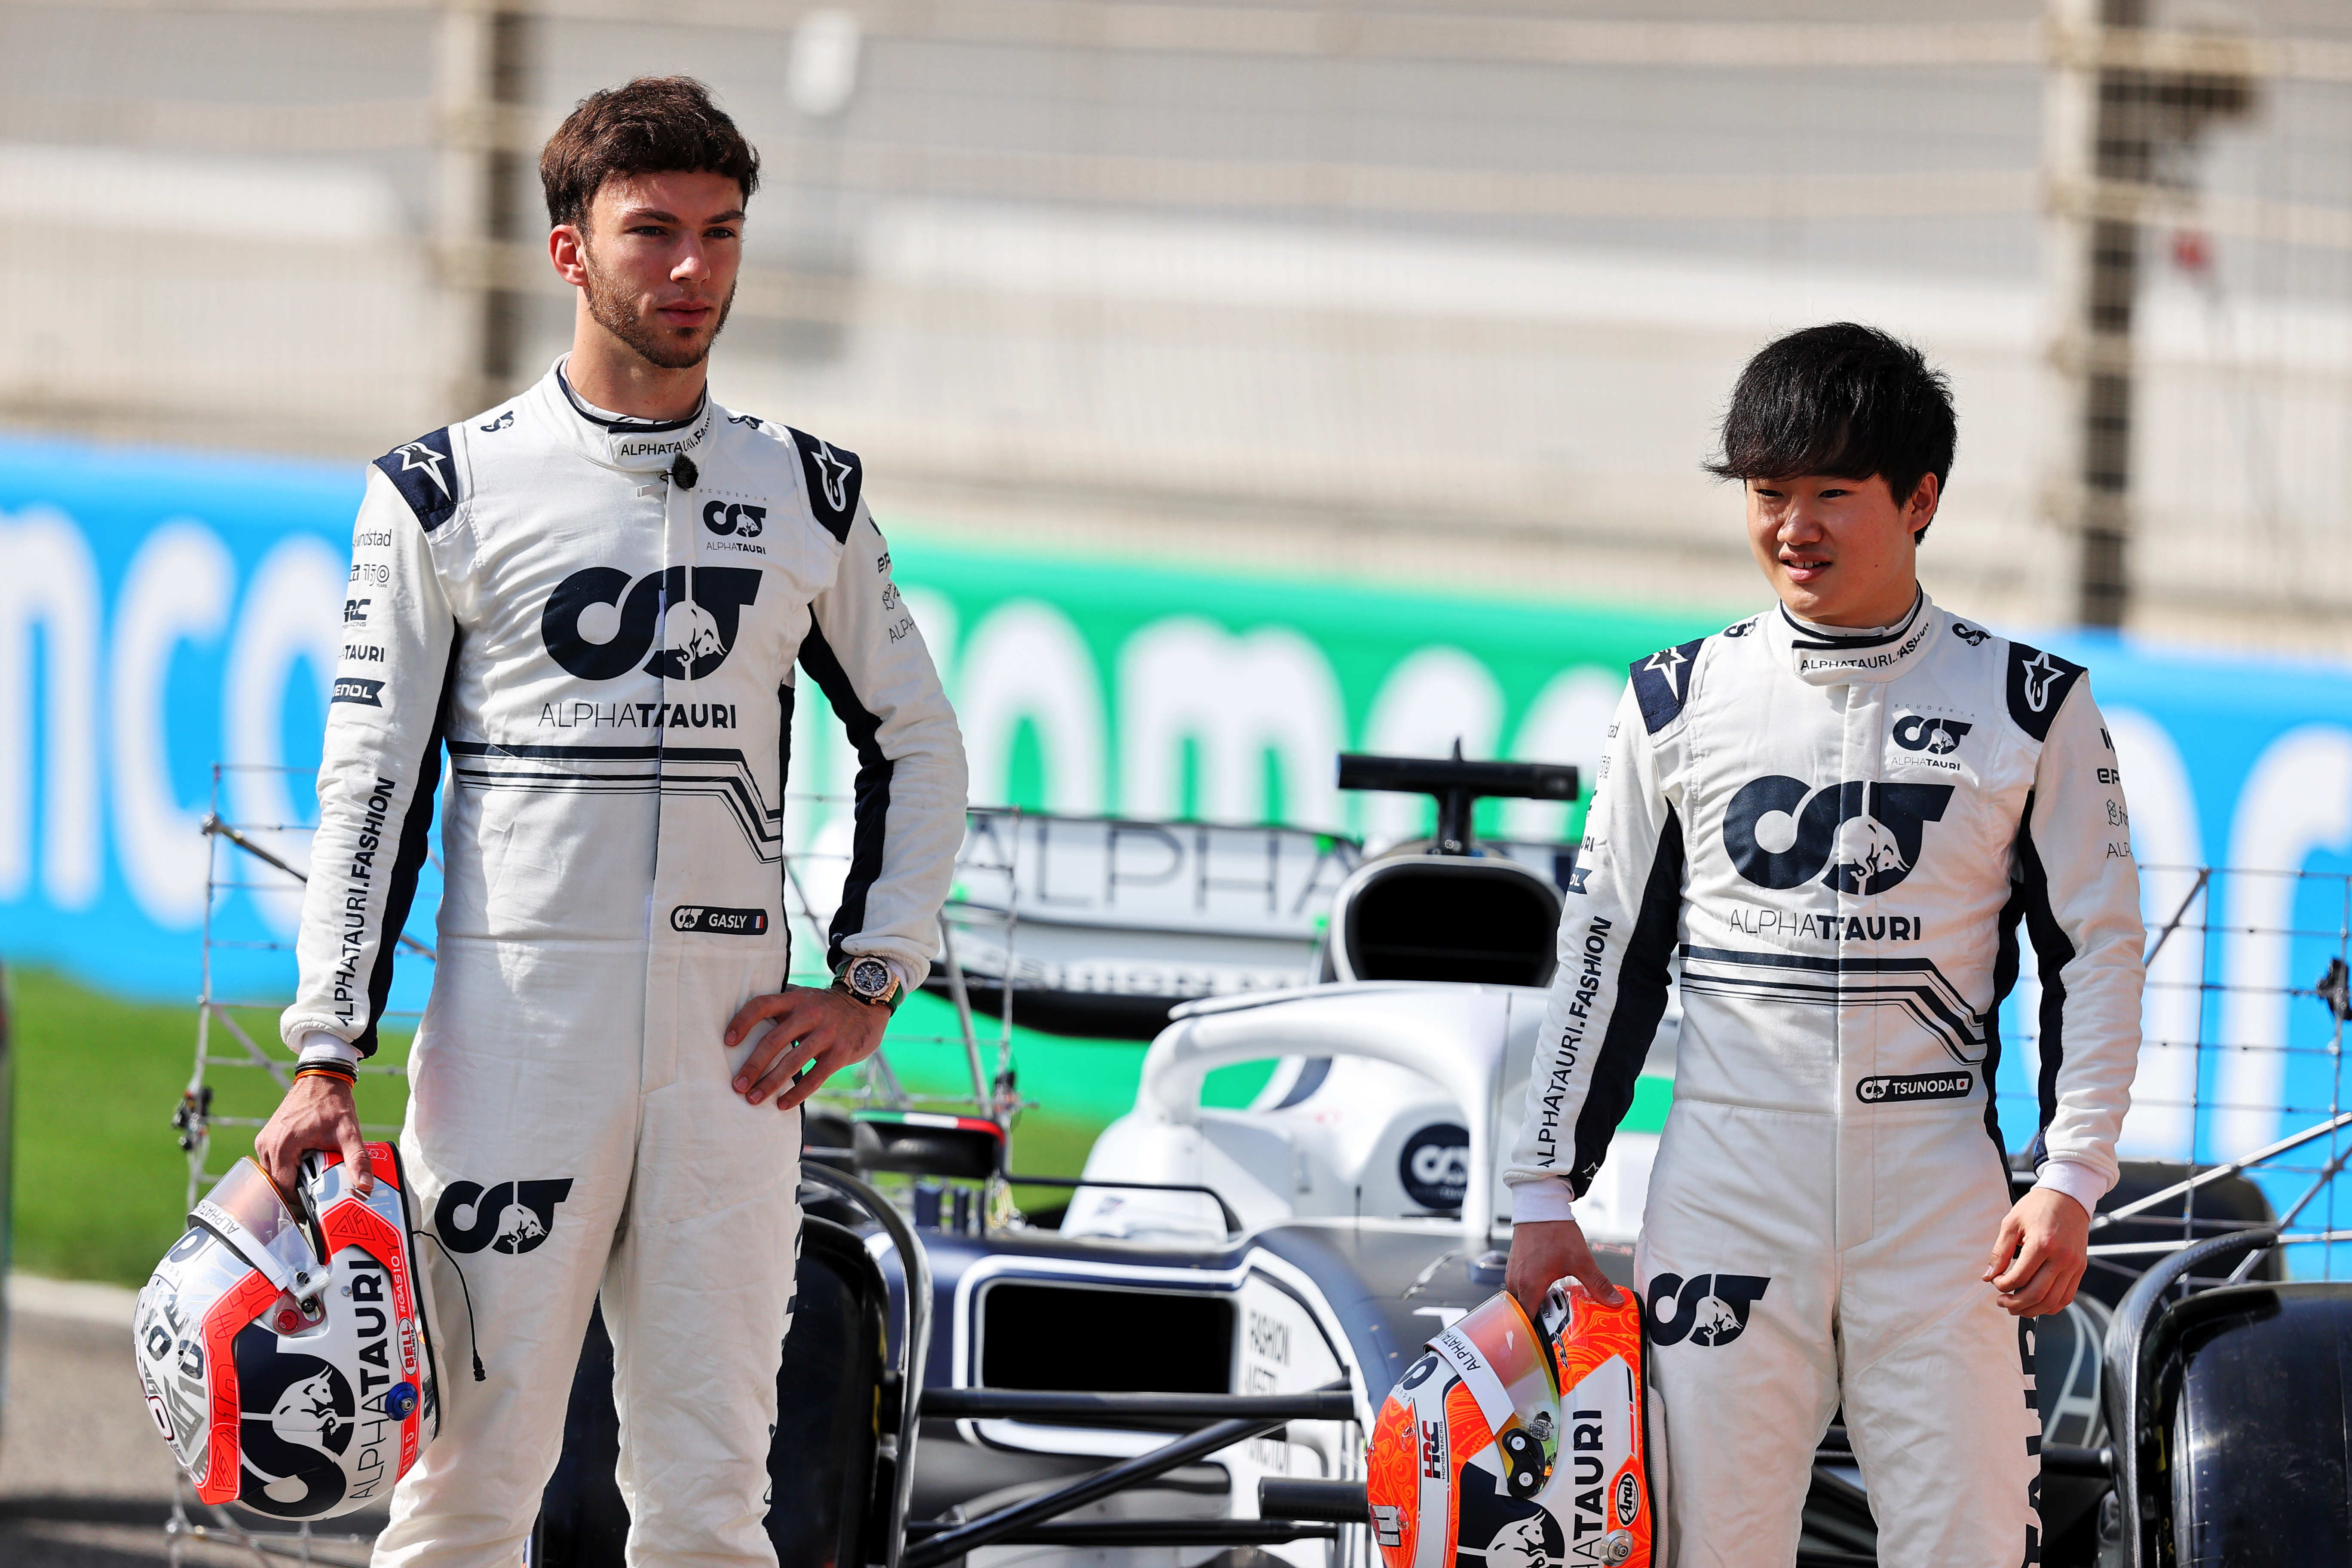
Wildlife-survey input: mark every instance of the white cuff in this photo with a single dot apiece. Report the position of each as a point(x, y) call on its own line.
point(1545, 1199)
point(319, 1046)
point(2074, 1179)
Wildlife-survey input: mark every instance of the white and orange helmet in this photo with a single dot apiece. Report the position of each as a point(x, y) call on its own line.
point(1508, 1446)
point(284, 1343)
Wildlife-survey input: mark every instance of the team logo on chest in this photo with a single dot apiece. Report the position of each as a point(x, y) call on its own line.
point(599, 626)
point(725, 517)
point(1934, 736)
point(1857, 837)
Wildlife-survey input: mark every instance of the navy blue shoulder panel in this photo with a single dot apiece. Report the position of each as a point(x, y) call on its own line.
point(2038, 685)
point(834, 480)
point(1662, 683)
point(424, 472)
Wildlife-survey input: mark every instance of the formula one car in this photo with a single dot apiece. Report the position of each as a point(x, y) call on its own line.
point(1187, 1368)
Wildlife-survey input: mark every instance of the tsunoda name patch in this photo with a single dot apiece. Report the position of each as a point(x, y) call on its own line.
point(1915, 1086)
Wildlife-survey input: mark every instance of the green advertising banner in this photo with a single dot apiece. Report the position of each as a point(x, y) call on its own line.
point(1101, 687)
point(1130, 690)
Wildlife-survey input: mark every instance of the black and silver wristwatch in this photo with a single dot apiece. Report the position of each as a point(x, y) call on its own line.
point(871, 980)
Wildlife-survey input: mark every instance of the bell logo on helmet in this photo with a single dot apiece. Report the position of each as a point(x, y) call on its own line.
point(1706, 1309)
point(512, 1217)
point(1859, 839)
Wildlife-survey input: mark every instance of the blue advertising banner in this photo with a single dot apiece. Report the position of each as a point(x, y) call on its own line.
point(162, 614)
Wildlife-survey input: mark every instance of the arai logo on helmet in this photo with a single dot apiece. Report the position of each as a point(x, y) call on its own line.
point(1857, 837)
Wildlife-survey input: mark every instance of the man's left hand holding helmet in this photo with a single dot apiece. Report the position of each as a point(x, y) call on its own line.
point(317, 1112)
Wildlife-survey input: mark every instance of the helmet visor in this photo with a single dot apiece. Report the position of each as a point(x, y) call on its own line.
point(247, 1209)
point(1507, 1366)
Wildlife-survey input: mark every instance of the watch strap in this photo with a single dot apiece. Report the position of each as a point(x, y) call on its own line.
point(888, 1001)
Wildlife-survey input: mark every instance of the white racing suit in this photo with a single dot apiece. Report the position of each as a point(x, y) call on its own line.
point(1839, 837)
point(604, 640)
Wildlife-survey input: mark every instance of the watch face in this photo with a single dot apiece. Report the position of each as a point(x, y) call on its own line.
point(870, 977)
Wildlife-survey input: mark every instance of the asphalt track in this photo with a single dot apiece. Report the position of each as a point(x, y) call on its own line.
point(85, 1481)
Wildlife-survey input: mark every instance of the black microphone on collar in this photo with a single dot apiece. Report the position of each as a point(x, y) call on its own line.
point(683, 472)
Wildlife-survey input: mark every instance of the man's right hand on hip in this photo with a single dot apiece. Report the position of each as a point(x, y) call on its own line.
point(820, 1029)
point(316, 1113)
point(1544, 1252)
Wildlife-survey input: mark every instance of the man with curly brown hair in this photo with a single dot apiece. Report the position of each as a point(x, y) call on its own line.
point(598, 599)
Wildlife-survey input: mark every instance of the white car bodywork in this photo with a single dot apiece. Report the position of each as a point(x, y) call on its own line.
point(1366, 1068)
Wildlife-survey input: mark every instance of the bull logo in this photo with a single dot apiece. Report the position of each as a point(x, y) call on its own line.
point(306, 1416)
point(1857, 837)
point(585, 636)
point(1518, 1532)
point(1865, 848)
point(1716, 1322)
point(513, 1217)
point(1527, 1543)
point(520, 1230)
point(1936, 737)
point(690, 638)
point(296, 1416)
point(1710, 1310)
point(733, 517)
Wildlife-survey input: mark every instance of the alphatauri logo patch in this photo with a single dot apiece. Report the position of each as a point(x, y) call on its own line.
point(725, 517)
point(1857, 837)
point(1707, 1309)
point(511, 1217)
point(599, 626)
point(1934, 736)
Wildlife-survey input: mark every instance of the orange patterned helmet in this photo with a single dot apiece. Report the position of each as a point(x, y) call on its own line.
point(1505, 1446)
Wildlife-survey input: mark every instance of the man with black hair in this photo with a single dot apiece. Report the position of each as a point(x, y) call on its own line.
point(1835, 815)
point(593, 596)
